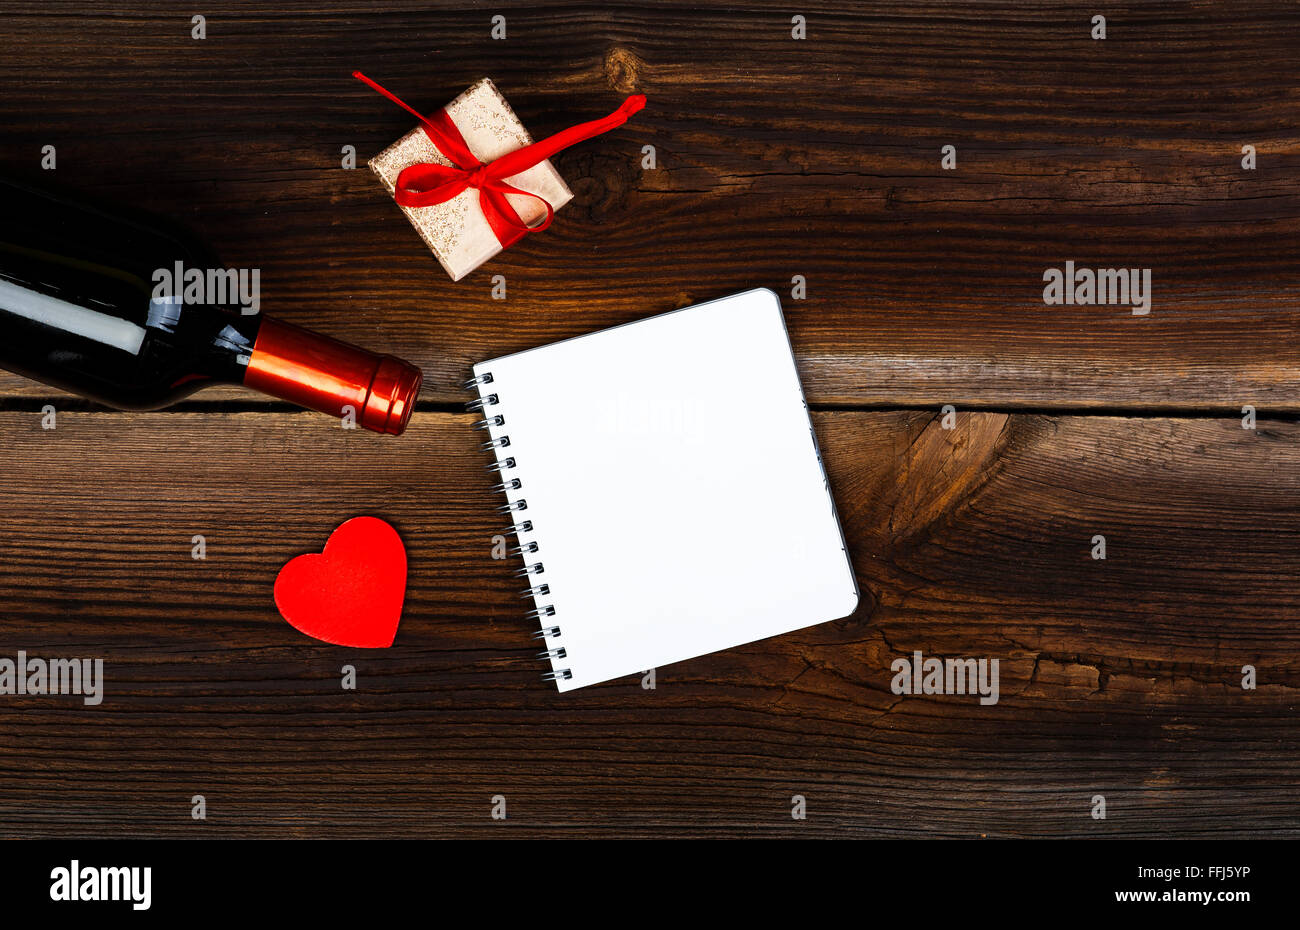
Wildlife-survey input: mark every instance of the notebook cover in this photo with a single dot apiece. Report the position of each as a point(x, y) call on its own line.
point(673, 486)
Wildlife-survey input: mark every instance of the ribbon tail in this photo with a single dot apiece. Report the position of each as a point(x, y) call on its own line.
point(513, 163)
point(442, 132)
point(380, 89)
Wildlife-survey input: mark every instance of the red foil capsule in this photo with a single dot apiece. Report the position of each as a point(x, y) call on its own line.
point(333, 377)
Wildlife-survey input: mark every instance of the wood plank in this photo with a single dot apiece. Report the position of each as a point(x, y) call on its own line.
point(1118, 677)
point(776, 157)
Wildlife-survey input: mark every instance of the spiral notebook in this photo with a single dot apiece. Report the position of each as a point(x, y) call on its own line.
point(666, 489)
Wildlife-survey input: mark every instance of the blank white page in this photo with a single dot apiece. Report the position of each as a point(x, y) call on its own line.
point(674, 487)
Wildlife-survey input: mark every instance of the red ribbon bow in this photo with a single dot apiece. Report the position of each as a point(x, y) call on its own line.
point(426, 184)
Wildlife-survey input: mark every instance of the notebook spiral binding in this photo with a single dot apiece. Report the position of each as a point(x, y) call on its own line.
point(505, 463)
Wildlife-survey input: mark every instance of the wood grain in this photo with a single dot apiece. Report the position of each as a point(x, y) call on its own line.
point(776, 158)
point(1118, 677)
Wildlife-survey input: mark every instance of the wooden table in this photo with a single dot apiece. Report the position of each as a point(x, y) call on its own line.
point(775, 157)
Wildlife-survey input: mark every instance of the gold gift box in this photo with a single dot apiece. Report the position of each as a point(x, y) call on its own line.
point(457, 232)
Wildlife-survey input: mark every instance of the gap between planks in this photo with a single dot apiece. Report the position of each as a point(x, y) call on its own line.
point(33, 404)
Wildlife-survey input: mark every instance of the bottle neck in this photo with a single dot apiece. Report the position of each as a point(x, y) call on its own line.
point(323, 374)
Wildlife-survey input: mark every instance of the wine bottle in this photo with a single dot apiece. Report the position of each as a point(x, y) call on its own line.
point(81, 309)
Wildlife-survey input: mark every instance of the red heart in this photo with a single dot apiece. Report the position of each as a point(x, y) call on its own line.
point(351, 593)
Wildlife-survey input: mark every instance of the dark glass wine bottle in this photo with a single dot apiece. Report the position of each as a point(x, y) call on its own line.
point(80, 310)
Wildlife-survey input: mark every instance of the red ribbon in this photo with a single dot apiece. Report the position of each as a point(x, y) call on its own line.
point(425, 184)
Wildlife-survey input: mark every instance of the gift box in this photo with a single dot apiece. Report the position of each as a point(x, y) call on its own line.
point(457, 231)
point(471, 179)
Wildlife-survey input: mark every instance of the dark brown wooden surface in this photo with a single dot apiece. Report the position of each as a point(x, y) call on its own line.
point(776, 157)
